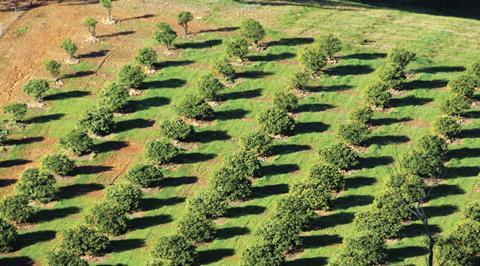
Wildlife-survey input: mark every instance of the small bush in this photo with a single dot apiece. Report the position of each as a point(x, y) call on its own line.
point(147, 57)
point(165, 35)
point(286, 101)
point(364, 249)
point(231, 185)
point(377, 94)
point(15, 111)
point(222, 68)
point(114, 98)
point(329, 45)
point(446, 126)
point(194, 107)
point(259, 143)
point(472, 211)
point(209, 87)
point(36, 88)
point(78, 142)
point(91, 25)
point(197, 228)
point(474, 71)
point(176, 129)
point(426, 159)
point(312, 60)
point(463, 85)
point(62, 258)
point(126, 196)
point(131, 76)
point(262, 254)
point(313, 193)
point(208, 203)
point(354, 133)
point(252, 30)
point(244, 163)
point(281, 234)
point(69, 47)
point(145, 175)
point(455, 104)
point(37, 185)
point(299, 81)
point(53, 68)
point(98, 121)
point(15, 208)
point(295, 210)
point(58, 163)
point(82, 240)
point(276, 121)
point(328, 175)
point(8, 236)
point(108, 218)
point(385, 224)
point(340, 156)
point(183, 18)
point(3, 136)
point(401, 57)
point(236, 47)
point(362, 114)
point(174, 250)
point(161, 151)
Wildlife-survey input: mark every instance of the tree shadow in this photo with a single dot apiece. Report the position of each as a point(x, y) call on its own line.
point(139, 223)
point(47, 215)
point(424, 84)
point(13, 162)
point(401, 253)
point(163, 84)
point(472, 114)
point(136, 123)
point(120, 245)
point(442, 210)
point(463, 153)
point(409, 101)
point(149, 204)
point(111, 145)
point(316, 241)
point(44, 119)
point(461, 171)
point(359, 181)
point(66, 95)
point(310, 127)
point(252, 74)
point(199, 45)
point(350, 201)
point(279, 169)
point(290, 41)
point(271, 57)
point(365, 56)
point(221, 29)
point(445, 190)
point(332, 220)
point(7, 182)
point(76, 190)
point(234, 95)
point(147, 103)
point(137, 17)
point(116, 34)
point(388, 121)
point(17, 261)
point(349, 70)
point(417, 229)
point(178, 181)
point(230, 232)
point(23, 141)
point(214, 255)
point(90, 169)
point(314, 107)
point(235, 212)
point(269, 190)
point(95, 54)
point(328, 88)
point(32, 238)
point(289, 148)
point(210, 135)
point(79, 74)
point(372, 162)
point(230, 114)
point(387, 140)
point(193, 157)
point(178, 63)
point(307, 261)
point(440, 69)
point(469, 133)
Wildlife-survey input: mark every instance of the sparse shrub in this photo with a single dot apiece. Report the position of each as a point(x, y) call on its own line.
point(145, 175)
point(131, 76)
point(463, 85)
point(165, 35)
point(231, 185)
point(474, 71)
point(276, 121)
point(114, 98)
point(194, 107)
point(61, 258)
point(91, 25)
point(107, 4)
point(161, 151)
point(69, 47)
point(281, 234)
point(312, 60)
point(446, 126)
point(53, 68)
point(328, 175)
point(147, 57)
point(383, 223)
point(108, 218)
point(285, 100)
point(77, 141)
point(299, 81)
point(126, 196)
point(252, 31)
point(197, 228)
point(222, 68)
point(37, 185)
point(401, 57)
point(208, 203)
point(15, 208)
point(354, 133)
point(313, 193)
point(294, 209)
point(401, 190)
point(236, 47)
point(98, 121)
point(244, 163)
point(455, 104)
point(3, 136)
point(8, 236)
point(329, 45)
point(262, 254)
point(362, 114)
point(377, 94)
point(390, 75)
point(15, 111)
point(36, 88)
point(174, 250)
point(426, 159)
point(209, 87)
point(364, 249)
point(176, 129)
point(59, 164)
point(340, 156)
point(260, 143)
point(82, 240)
point(183, 19)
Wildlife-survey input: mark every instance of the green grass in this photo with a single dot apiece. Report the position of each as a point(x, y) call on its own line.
point(445, 42)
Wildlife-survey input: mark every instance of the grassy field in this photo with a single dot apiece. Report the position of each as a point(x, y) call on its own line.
point(445, 45)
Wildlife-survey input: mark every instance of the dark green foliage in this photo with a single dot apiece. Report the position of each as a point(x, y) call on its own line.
point(36, 88)
point(197, 228)
point(126, 196)
point(209, 87)
point(69, 47)
point(294, 209)
point(329, 45)
point(114, 98)
point(446, 126)
point(455, 104)
point(361, 114)
point(3, 136)
point(244, 163)
point(15, 111)
point(59, 164)
point(426, 159)
point(391, 75)
point(472, 211)
point(8, 236)
point(145, 175)
point(194, 107)
point(463, 85)
point(131, 76)
point(77, 141)
point(15, 208)
point(260, 143)
point(108, 218)
point(461, 246)
point(223, 69)
point(174, 250)
point(299, 81)
point(262, 254)
point(340, 156)
point(252, 30)
point(381, 222)
point(282, 234)
point(176, 129)
point(401, 188)
point(82, 240)
point(165, 35)
point(377, 94)
point(53, 68)
point(364, 249)
point(276, 121)
point(37, 185)
point(146, 57)
point(208, 203)
point(401, 57)
point(98, 121)
point(328, 175)
point(354, 133)
point(285, 100)
point(236, 47)
point(183, 18)
point(312, 59)
point(231, 185)
point(161, 151)
point(474, 71)
point(64, 258)
point(313, 193)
